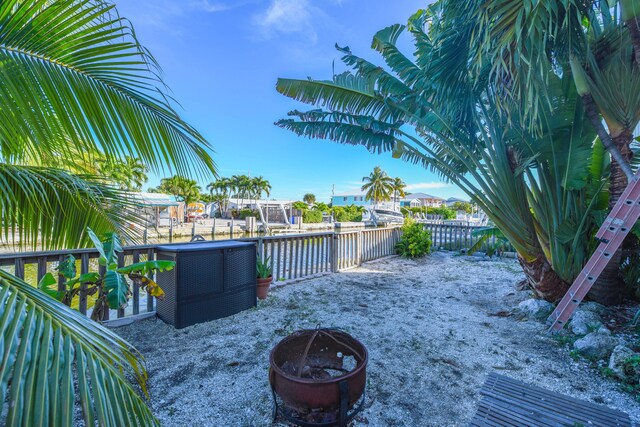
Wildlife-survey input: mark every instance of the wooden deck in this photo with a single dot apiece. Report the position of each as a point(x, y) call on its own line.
point(510, 403)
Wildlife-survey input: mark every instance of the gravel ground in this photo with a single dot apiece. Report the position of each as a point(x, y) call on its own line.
point(432, 328)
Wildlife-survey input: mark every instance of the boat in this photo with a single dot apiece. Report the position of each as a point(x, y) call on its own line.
point(382, 216)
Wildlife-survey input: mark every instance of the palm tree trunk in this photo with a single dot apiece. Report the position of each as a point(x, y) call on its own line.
point(609, 288)
point(542, 279)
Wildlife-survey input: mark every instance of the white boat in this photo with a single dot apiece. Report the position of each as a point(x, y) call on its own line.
point(382, 216)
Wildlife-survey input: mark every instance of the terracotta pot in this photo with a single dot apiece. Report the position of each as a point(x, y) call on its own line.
point(263, 287)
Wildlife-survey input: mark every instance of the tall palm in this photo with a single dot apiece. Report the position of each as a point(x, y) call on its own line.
point(74, 79)
point(600, 45)
point(262, 185)
point(458, 133)
point(309, 198)
point(378, 186)
point(241, 184)
point(398, 187)
point(129, 175)
point(184, 189)
point(219, 189)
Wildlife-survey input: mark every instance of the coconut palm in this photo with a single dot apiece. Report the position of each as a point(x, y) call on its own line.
point(502, 165)
point(309, 198)
point(184, 189)
point(378, 186)
point(398, 187)
point(129, 175)
point(74, 79)
point(241, 185)
point(261, 185)
point(221, 192)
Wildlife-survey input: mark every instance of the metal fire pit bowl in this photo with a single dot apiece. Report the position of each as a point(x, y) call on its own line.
point(318, 370)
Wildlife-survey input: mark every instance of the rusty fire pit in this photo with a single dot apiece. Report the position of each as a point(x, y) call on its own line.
point(318, 377)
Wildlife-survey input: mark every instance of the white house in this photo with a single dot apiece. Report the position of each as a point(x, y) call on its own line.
point(422, 199)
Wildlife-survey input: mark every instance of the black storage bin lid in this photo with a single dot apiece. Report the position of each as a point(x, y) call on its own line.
point(204, 246)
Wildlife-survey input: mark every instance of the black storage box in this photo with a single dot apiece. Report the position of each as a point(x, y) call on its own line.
point(211, 280)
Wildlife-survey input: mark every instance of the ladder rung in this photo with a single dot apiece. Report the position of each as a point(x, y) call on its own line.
point(611, 235)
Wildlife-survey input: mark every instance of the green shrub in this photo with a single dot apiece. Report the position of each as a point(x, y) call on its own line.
point(349, 213)
point(415, 241)
point(244, 213)
point(311, 217)
point(445, 212)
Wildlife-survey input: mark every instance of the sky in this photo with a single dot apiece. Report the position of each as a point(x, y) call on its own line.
point(221, 59)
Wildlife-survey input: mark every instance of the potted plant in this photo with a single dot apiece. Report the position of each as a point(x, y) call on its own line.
point(263, 270)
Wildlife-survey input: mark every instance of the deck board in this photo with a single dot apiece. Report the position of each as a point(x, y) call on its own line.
point(509, 403)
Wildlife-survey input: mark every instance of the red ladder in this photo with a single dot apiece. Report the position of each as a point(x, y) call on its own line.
point(615, 228)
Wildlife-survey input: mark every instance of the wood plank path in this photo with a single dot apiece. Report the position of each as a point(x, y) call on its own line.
point(508, 403)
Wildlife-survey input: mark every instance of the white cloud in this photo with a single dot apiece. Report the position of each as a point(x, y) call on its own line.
point(288, 17)
point(426, 186)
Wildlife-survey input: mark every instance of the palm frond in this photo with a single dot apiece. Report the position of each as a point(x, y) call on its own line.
point(72, 74)
point(47, 347)
point(54, 208)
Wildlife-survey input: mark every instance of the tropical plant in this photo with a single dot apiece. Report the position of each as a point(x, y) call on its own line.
point(129, 174)
point(528, 185)
point(322, 207)
point(263, 268)
point(259, 186)
point(312, 216)
point(309, 198)
point(351, 213)
point(490, 239)
point(598, 45)
point(398, 186)
point(241, 184)
point(415, 241)
point(110, 286)
point(378, 185)
point(75, 86)
point(220, 190)
point(462, 206)
point(185, 189)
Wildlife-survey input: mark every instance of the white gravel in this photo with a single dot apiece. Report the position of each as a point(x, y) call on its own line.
point(430, 326)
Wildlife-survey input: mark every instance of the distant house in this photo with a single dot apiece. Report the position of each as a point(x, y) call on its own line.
point(451, 200)
point(347, 199)
point(422, 199)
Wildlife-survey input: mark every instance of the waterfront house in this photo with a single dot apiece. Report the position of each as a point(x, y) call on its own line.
point(451, 200)
point(422, 199)
point(348, 199)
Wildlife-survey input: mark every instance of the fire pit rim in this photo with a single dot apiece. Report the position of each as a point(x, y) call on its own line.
point(354, 372)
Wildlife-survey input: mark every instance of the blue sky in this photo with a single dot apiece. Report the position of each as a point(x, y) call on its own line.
point(221, 58)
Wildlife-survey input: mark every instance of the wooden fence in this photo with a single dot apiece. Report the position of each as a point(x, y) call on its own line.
point(291, 257)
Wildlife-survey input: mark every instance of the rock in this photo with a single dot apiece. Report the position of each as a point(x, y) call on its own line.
point(535, 309)
point(596, 345)
point(617, 360)
point(584, 321)
point(594, 307)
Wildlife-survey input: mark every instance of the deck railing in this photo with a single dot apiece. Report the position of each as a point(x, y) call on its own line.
point(291, 257)
point(458, 237)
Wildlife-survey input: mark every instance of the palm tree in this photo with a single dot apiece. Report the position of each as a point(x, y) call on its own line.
point(309, 198)
point(129, 175)
point(184, 189)
point(398, 187)
point(600, 45)
point(538, 194)
point(74, 80)
point(261, 185)
point(378, 186)
point(241, 185)
point(221, 192)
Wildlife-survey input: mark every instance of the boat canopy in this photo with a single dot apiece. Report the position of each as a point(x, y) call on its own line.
point(154, 199)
